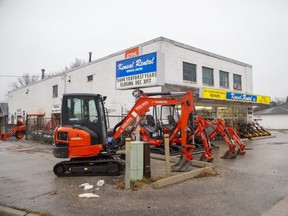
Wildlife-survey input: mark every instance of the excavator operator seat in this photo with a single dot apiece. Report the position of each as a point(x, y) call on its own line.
point(151, 126)
point(171, 120)
point(171, 123)
point(150, 120)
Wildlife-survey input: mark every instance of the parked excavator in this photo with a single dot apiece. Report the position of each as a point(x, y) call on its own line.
point(153, 128)
point(230, 137)
point(164, 122)
point(183, 99)
point(83, 134)
point(153, 131)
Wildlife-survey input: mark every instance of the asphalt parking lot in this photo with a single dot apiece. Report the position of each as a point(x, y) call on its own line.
point(253, 184)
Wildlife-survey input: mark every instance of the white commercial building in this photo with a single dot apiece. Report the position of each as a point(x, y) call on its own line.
point(223, 87)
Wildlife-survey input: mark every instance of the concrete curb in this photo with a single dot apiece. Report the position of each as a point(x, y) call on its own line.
point(6, 211)
point(175, 179)
point(259, 138)
point(195, 163)
point(180, 177)
point(162, 157)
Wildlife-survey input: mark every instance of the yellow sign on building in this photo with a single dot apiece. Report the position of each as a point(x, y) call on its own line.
point(263, 99)
point(214, 94)
point(218, 94)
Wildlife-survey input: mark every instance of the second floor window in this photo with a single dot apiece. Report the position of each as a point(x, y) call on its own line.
point(90, 78)
point(189, 72)
point(224, 79)
point(237, 82)
point(55, 91)
point(207, 76)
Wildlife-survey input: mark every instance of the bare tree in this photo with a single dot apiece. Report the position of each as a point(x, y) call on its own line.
point(53, 74)
point(278, 100)
point(77, 63)
point(25, 80)
point(274, 102)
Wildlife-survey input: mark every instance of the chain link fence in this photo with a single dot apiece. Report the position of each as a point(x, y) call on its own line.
point(40, 129)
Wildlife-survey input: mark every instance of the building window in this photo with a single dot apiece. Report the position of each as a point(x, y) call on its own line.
point(55, 91)
point(224, 79)
point(189, 72)
point(90, 78)
point(207, 76)
point(237, 83)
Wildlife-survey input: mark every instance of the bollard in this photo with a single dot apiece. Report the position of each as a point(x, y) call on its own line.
point(167, 154)
point(147, 168)
point(127, 162)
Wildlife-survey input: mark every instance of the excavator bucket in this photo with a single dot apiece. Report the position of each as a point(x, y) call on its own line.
point(207, 157)
point(241, 152)
point(229, 155)
point(183, 165)
point(5, 136)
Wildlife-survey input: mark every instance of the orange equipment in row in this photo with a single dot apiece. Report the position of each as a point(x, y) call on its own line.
point(230, 136)
point(19, 130)
point(83, 136)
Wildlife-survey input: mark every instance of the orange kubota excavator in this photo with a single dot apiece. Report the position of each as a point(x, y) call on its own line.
point(153, 131)
point(83, 134)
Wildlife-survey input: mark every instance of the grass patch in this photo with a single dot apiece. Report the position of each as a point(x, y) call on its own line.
point(45, 214)
point(207, 172)
point(136, 185)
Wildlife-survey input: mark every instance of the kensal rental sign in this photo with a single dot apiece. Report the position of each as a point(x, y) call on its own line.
point(140, 71)
point(219, 94)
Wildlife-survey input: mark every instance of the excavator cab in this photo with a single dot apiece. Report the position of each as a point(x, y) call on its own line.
point(86, 112)
point(83, 138)
point(83, 129)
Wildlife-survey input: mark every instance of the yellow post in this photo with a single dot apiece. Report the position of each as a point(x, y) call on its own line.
point(127, 162)
point(167, 154)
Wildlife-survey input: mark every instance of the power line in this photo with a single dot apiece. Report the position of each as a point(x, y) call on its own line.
point(2, 75)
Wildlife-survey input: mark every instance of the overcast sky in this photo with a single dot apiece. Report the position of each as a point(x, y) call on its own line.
point(50, 34)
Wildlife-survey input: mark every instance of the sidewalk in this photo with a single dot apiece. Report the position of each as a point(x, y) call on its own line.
point(6, 211)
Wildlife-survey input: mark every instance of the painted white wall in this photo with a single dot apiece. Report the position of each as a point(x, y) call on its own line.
point(275, 121)
point(39, 97)
point(175, 55)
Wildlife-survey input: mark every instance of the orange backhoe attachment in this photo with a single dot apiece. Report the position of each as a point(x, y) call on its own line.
point(17, 130)
point(230, 136)
point(201, 125)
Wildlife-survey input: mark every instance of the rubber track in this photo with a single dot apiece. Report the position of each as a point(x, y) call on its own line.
point(84, 163)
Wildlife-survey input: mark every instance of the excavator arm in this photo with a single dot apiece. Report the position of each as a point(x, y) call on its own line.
point(141, 107)
point(230, 136)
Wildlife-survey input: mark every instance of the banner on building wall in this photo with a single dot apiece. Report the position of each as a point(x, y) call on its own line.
point(140, 71)
point(214, 94)
point(56, 108)
point(219, 94)
point(263, 99)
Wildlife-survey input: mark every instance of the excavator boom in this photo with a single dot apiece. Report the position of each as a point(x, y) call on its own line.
point(146, 101)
